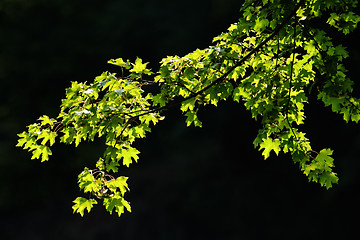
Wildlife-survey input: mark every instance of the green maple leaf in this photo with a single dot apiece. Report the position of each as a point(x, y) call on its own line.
point(94, 186)
point(21, 142)
point(116, 202)
point(149, 117)
point(45, 120)
point(119, 62)
point(82, 203)
point(112, 166)
point(346, 113)
point(140, 131)
point(355, 117)
point(269, 144)
point(87, 182)
point(45, 153)
point(324, 158)
point(308, 168)
point(192, 118)
point(195, 55)
point(341, 51)
point(47, 135)
point(78, 138)
point(24, 138)
point(139, 67)
point(128, 155)
point(120, 183)
point(42, 151)
point(30, 143)
point(36, 153)
point(327, 179)
point(110, 203)
point(335, 103)
point(69, 134)
point(188, 105)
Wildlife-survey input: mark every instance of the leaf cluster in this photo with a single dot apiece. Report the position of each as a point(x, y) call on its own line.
point(112, 107)
point(271, 60)
point(105, 187)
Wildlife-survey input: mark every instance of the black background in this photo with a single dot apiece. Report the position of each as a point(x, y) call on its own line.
point(189, 183)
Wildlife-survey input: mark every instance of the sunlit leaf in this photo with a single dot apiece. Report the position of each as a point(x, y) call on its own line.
point(82, 203)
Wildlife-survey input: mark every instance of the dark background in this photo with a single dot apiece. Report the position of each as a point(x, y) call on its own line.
point(189, 183)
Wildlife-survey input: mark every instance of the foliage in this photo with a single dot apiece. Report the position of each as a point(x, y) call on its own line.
point(272, 59)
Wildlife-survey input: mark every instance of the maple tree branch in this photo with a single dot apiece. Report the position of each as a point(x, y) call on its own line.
point(239, 63)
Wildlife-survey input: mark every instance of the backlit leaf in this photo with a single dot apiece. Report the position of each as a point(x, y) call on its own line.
point(138, 67)
point(128, 155)
point(269, 144)
point(82, 203)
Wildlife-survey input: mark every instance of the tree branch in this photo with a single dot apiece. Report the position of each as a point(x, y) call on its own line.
point(239, 63)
